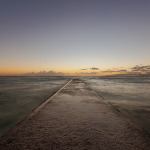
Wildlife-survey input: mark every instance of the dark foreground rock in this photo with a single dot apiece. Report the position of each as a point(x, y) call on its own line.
point(75, 118)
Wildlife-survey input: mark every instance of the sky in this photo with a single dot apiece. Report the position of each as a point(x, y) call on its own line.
point(74, 37)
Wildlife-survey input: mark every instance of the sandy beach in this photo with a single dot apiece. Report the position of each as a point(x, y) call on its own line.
point(75, 118)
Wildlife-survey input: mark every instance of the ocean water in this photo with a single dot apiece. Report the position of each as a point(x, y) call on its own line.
point(129, 95)
point(20, 95)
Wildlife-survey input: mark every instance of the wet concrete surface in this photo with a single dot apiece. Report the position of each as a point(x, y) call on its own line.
point(75, 118)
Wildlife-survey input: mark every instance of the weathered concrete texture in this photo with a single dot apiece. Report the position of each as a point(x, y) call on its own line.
point(75, 119)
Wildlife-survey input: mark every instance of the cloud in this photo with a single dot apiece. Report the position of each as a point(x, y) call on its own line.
point(111, 71)
point(87, 73)
point(44, 73)
point(138, 70)
point(141, 68)
point(85, 69)
point(94, 68)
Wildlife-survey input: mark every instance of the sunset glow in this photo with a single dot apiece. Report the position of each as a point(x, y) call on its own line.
point(67, 37)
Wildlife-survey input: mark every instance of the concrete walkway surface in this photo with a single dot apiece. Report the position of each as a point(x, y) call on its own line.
point(75, 118)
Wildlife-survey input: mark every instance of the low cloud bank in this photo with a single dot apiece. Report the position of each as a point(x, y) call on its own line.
point(44, 73)
point(141, 68)
point(112, 71)
point(87, 73)
point(93, 68)
point(85, 69)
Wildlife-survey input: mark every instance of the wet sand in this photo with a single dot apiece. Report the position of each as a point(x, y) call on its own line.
point(75, 118)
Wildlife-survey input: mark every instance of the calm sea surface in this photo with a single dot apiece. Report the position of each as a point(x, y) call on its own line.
point(130, 95)
point(20, 95)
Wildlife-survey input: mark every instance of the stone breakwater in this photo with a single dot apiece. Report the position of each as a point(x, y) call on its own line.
point(75, 118)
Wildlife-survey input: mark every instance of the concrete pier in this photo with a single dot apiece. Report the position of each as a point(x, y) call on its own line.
point(75, 118)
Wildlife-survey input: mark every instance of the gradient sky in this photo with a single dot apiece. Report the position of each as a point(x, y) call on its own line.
point(70, 35)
